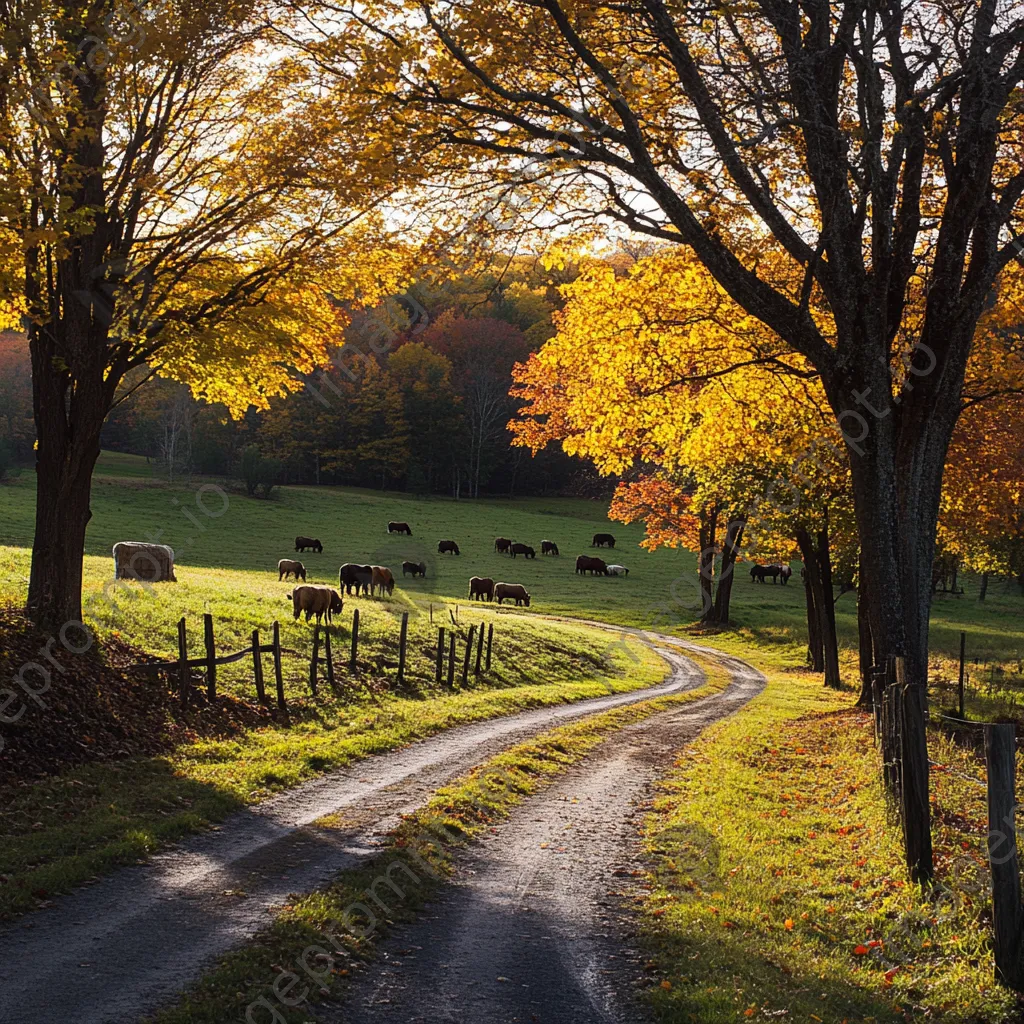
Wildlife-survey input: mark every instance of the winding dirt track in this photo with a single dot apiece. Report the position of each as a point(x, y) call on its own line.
point(121, 948)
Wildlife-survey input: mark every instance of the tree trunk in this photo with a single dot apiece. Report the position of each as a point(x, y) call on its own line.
point(730, 550)
point(818, 567)
point(706, 530)
point(815, 654)
point(865, 647)
point(984, 586)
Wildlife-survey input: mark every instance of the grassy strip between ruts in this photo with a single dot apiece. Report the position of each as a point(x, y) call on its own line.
point(318, 939)
point(63, 831)
point(777, 888)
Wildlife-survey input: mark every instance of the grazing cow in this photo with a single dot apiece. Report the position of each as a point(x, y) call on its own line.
point(548, 547)
point(448, 546)
point(301, 543)
point(523, 549)
point(587, 563)
point(353, 575)
point(400, 528)
point(617, 570)
point(502, 545)
point(416, 568)
point(383, 579)
point(481, 588)
point(785, 571)
point(138, 560)
point(603, 540)
point(290, 566)
point(758, 573)
point(512, 592)
point(318, 601)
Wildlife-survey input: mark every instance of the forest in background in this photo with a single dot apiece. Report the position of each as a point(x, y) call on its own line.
point(416, 398)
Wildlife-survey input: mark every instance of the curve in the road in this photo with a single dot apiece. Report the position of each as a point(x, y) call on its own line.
point(109, 953)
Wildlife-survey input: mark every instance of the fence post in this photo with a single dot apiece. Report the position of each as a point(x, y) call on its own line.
point(1007, 914)
point(490, 637)
point(314, 659)
point(257, 667)
point(211, 658)
point(329, 657)
point(917, 823)
point(439, 666)
point(469, 654)
point(960, 684)
point(402, 640)
point(479, 650)
point(355, 641)
point(183, 661)
point(278, 676)
point(451, 661)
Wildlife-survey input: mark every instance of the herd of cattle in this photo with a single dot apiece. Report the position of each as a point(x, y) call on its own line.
point(325, 602)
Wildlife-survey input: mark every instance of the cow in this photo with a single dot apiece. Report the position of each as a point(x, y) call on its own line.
point(400, 528)
point(481, 588)
point(523, 549)
point(502, 545)
point(318, 601)
point(301, 543)
point(603, 540)
point(448, 546)
point(291, 566)
point(359, 576)
point(758, 573)
point(617, 570)
point(416, 568)
point(785, 572)
point(512, 592)
point(548, 547)
point(587, 563)
point(383, 579)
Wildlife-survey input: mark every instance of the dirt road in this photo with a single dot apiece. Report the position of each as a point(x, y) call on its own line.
point(532, 930)
point(118, 949)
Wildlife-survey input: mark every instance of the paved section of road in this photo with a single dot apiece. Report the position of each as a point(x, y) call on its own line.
point(533, 930)
point(111, 952)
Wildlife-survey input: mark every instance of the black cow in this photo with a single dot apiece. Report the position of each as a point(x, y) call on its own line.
point(603, 540)
point(301, 543)
point(400, 528)
point(448, 547)
point(359, 576)
point(548, 547)
point(523, 549)
point(416, 568)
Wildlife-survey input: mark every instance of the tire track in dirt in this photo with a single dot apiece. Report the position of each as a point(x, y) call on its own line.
point(116, 950)
point(533, 929)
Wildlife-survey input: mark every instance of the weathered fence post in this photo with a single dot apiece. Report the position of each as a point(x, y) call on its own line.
point(278, 675)
point(314, 659)
point(211, 658)
point(451, 661)
point(469, 655)
point(1007, 914)
point(490, 637)
point(960, 683)
point(402, 640)
point(329, 657)
point(183, 661)
point(917, 823)
point(479, 650)
point(439, 666)
point(355, 641)
point(257, 667)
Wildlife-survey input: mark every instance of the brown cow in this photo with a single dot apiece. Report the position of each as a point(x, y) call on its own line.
point(416, 568)
point(502, 545)
point(523, 549)
point(382, 578)
point(318, 601)
point(400, 528)
point(353, 575)
point(548, 547)
point(291, 566)
point(301, 543)
point(481, 588)
point(512, 591)
point(587, 563)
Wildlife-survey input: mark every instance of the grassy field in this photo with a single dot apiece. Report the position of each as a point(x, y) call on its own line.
point(215, 529)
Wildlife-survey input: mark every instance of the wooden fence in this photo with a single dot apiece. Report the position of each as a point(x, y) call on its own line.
point(322, 655)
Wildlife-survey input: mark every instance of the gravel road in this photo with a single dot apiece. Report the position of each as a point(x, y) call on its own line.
point(533, 930)
point(113, 951)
